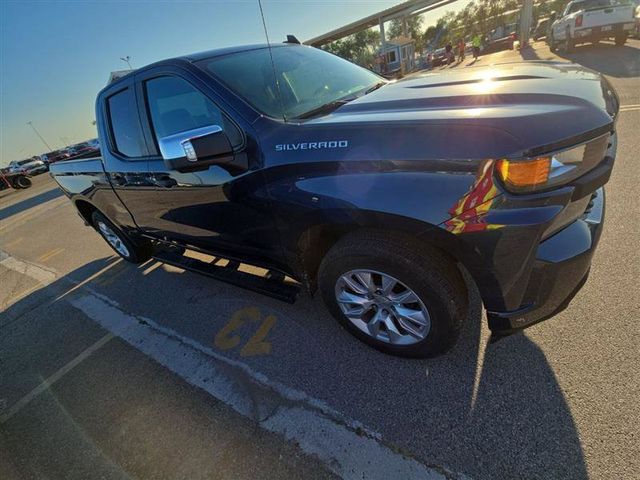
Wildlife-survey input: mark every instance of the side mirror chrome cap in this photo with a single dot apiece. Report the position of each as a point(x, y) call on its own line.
point(179, 145)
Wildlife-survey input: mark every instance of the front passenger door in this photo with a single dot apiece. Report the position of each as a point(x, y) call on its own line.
point(212, 207)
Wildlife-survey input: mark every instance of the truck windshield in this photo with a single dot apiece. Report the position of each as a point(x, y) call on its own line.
point(308, 79)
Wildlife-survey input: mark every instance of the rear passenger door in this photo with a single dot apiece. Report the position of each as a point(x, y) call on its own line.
point(125, 157)
point(211, 207)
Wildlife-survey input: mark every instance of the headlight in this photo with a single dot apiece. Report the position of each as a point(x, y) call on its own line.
point(555, 169)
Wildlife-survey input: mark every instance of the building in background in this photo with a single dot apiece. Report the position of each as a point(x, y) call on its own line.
point(397, 56)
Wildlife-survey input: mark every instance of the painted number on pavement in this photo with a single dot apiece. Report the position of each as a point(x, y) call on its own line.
point(227, 338)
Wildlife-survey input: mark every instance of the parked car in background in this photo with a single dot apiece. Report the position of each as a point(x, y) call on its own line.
point(500, 38)
point(29, 166)
point(13, 180)
point(55, 156)
point(541, 29)
point(439, 57)
point(84, 150)
point(589, 21)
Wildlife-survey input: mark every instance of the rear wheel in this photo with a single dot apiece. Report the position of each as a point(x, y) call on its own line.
point(135, 252)
point(395, 294)
point(621, 40)
point(21, 182)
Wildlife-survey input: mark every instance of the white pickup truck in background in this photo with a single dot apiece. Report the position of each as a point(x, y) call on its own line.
point(589, 21)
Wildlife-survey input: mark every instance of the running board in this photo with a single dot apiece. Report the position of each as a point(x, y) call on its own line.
point(272, 286)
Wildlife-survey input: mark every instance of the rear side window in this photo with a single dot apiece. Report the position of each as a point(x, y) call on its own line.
point(125, 124)
point(176, 106)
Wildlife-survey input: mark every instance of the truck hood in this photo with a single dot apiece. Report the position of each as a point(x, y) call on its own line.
point(507, 109)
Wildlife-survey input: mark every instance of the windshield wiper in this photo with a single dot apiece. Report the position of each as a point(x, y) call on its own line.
point(331, 106)
point(375, 87)
point(326, 108)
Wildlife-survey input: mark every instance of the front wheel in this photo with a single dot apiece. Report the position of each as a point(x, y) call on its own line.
point(621, 40)
point(570, 44)
point(552, 43)
point(134, 252)
point(21, 182)
point(400, 296)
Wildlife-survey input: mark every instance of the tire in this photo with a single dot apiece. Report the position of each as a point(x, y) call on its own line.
point(552, 44)
point(621, 40)
point(419, 268)
point(134, 252)
point(21, 182)
point(570, 44)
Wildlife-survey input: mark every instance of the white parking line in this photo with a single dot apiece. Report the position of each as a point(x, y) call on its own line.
point(36, 272)
point(47, 383)
point(345, 446)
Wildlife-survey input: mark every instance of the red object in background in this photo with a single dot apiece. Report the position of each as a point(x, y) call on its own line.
point(4, 180)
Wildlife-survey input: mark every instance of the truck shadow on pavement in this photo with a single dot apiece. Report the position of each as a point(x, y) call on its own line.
point(489, 410)
point(606, 58)
point(28, 203)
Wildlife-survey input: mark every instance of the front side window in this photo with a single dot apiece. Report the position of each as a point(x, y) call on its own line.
point(176, 106)
point(125, 124)
point(307, 78)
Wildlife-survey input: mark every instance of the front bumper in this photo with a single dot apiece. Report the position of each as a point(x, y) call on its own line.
point(560, 269)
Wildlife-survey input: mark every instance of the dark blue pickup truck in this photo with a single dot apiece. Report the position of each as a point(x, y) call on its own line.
point(378, 194)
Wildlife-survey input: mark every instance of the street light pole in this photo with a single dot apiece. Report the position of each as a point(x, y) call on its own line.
point(30, 123)
point(126, 59)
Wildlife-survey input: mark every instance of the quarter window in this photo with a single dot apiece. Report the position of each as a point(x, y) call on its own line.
point(176, 106)
point(125, 124)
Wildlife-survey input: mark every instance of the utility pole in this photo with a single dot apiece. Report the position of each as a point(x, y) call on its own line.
point(30, 123)
point(126, 59)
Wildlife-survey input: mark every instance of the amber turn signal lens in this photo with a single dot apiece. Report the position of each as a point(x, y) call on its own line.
point(527, 173)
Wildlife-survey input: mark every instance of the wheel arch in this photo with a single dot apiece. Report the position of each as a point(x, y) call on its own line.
point(316, 241)
point(85, 209)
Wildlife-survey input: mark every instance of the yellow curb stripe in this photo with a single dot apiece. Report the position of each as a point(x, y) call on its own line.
point(50, 254)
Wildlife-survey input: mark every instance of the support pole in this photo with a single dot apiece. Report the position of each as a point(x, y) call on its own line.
point(383, 45)
point(526, 20)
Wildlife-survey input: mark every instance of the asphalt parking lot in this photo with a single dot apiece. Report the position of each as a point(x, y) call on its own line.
point(113, 370)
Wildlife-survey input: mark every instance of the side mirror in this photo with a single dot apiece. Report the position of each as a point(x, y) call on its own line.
point(194, 149)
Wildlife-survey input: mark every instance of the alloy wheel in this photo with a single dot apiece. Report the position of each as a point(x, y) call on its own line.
point(113, 239)
point(382, 307)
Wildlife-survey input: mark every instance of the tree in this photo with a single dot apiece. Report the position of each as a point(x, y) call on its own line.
point(414, 28)
point(359, 48)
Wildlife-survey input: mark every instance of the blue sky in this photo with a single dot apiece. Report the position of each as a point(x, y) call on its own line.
point(56, 55)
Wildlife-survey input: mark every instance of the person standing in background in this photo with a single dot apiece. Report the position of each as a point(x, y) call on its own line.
point(475, 42)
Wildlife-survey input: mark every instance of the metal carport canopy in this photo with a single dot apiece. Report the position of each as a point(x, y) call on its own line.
point(411, 7)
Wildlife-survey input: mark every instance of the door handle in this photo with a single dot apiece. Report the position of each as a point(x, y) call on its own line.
point(164, 181)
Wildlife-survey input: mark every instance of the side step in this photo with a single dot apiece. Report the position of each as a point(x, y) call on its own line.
point(272, 285)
